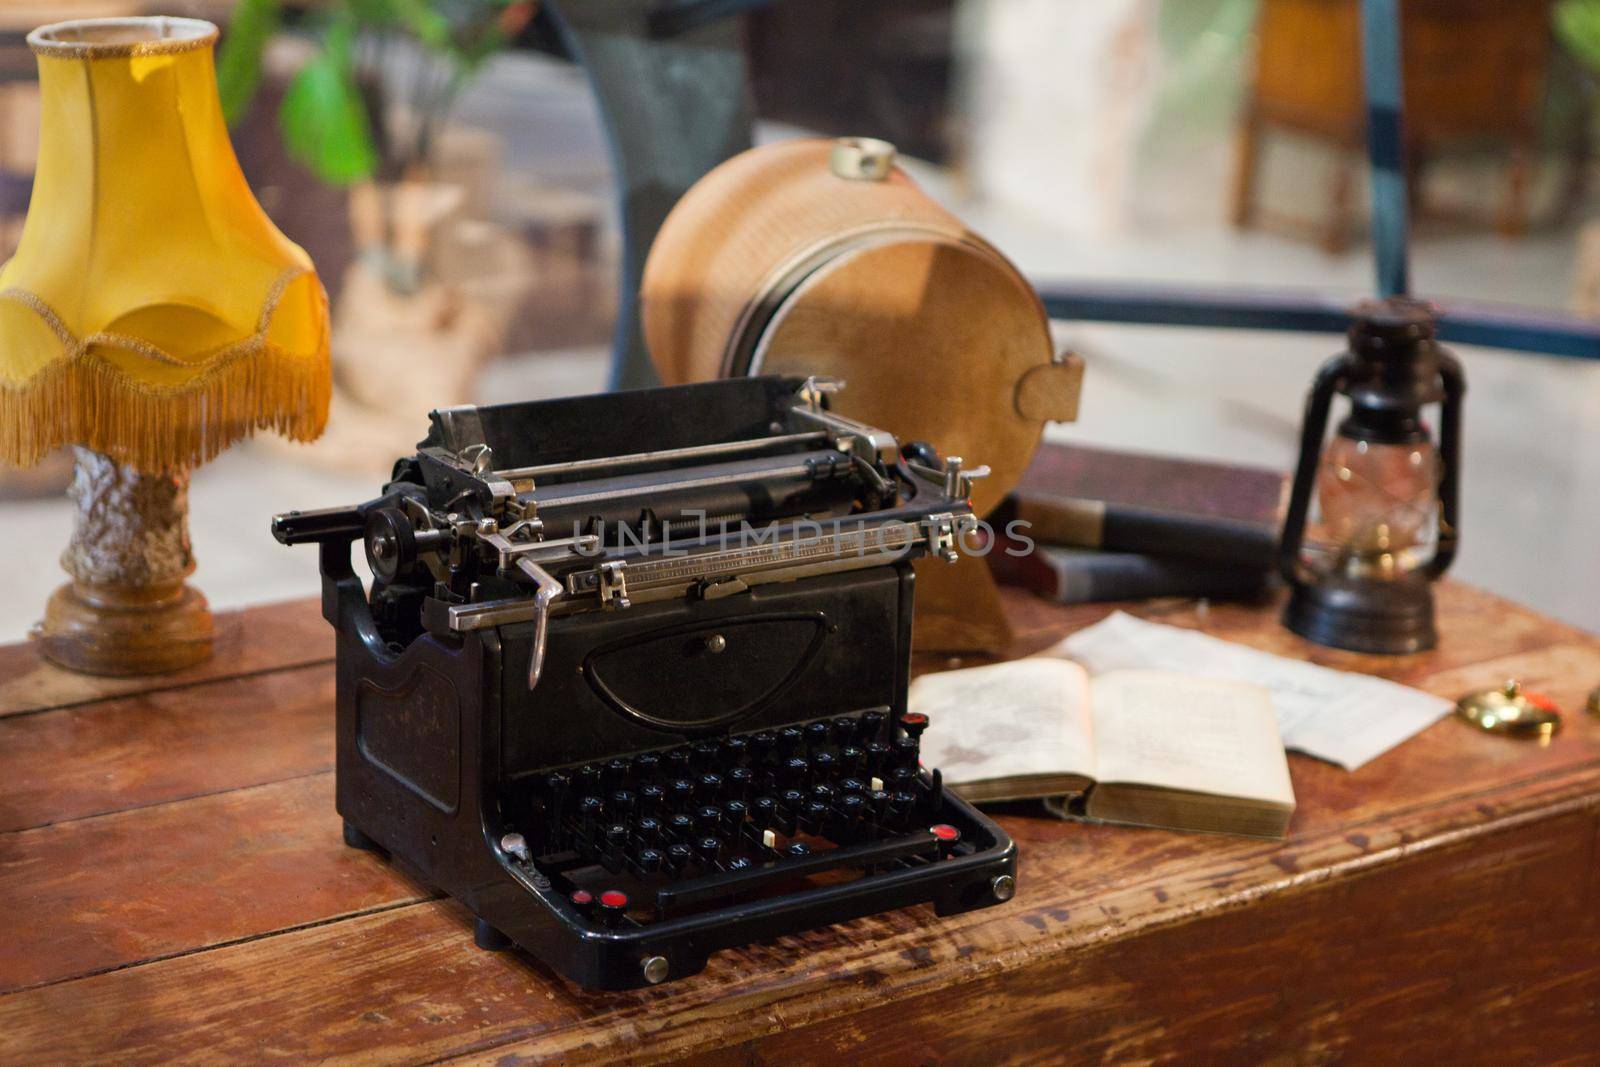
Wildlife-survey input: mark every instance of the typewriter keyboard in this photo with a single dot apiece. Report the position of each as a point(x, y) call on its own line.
point(659, 834)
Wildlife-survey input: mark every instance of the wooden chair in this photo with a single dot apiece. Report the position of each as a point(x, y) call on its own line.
point(1474, 74)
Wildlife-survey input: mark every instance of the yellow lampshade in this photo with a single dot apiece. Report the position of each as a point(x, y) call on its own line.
point(152, 312)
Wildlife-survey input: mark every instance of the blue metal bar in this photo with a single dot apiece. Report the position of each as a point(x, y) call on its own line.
point(1380, 59)
point(1463, 322)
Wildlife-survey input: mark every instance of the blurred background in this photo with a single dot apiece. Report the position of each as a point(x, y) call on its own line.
point(458, 204)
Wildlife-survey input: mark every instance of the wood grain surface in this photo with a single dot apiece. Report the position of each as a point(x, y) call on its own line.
point(267, 638)
point(174, 889)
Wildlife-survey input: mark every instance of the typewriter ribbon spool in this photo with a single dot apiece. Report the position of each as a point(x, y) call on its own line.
point(821, 257)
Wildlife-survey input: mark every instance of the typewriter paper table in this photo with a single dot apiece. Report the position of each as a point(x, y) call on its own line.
point(173, 886)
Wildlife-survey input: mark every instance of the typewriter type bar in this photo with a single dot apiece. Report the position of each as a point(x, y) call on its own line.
point(629, 679)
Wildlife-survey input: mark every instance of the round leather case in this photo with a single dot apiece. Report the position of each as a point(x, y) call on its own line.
point(824, 257)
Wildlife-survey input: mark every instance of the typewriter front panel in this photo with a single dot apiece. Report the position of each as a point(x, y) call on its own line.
point(657, 675)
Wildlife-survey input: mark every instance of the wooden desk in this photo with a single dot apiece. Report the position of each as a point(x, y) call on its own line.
point(174, 887)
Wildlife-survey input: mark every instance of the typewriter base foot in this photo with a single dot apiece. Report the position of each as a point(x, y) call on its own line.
point(488, 938)
point(356, 839)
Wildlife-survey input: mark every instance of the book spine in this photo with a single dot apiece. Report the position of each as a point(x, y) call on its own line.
point(1081, 576)
point(1074, 522)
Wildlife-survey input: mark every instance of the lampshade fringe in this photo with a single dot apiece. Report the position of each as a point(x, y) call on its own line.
point(85, 400)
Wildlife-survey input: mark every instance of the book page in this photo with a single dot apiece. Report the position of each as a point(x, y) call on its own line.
point(1008, 720)
point(1177, 732)
point(1338, 716)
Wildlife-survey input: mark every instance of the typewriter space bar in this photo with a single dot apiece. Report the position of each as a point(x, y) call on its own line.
point(713, 887)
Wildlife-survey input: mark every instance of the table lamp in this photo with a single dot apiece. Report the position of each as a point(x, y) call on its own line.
point(152, 315)
point(1360, 570)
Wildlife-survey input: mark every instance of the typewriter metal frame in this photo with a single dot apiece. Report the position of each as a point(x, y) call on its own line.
point(499, 648)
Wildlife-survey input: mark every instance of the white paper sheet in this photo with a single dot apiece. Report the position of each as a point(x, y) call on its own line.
point(1338, 716)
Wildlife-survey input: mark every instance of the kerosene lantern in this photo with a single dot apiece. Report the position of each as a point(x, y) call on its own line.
point(1385, 524)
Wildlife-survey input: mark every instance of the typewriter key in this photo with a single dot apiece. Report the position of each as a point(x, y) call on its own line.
point(761, 744)
point(798, 849)
point(852, 760)
point(709, 787)
point(852, 785)
point(649, 830)
point(589, 775)
point(789, 740)
point(733, 813)
point(680, 791)
point(764, 811)
point(681, 825)
point(646, 766)
point(649, 860)
point(678, 761)
point(734, 750)
point(877, 757)
point(581, 899)
point(740, 781)
point(678, 857)
point(947, 836)
point(652, 798)
point(613, 906)
point(843, 730)
point(622, 803)
point(619, 773)
point(824, 765)
point(740, 863)
point(816, 734)
point(589, 809)
point(906, 752)
point(709, 849)
point(811, 818)
point(708, 818)
point(914, 723)
point(795, 771)
point(871, 725)
point(704, 756)
point(879, 800)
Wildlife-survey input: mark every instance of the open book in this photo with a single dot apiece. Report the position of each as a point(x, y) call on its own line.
point(1150, 748)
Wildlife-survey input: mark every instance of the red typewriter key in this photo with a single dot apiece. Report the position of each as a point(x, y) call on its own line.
point(914, 722)
point(582, 899)
point(613, 906)
point(946, 835)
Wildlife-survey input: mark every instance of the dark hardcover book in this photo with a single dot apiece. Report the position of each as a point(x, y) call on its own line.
point(1086, 575)
point(1077, 496)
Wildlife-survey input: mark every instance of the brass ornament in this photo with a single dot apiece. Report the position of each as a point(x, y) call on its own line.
point(1510, 711)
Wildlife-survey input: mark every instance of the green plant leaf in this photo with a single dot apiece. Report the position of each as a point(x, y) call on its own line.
point(324, 117)
point(252, 25)
point(1577, 23)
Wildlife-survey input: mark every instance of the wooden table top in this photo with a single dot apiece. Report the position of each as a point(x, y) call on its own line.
point(175, 887)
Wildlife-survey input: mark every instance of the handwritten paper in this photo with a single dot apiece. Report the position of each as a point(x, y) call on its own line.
point(1338, 716)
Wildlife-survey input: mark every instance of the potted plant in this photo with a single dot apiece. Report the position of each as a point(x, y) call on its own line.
point(368, 109)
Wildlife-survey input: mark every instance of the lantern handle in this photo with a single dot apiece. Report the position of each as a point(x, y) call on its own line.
point(1455, 387)
point(1332, 377)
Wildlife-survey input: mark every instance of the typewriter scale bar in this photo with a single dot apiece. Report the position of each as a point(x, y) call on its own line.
point(864, 546)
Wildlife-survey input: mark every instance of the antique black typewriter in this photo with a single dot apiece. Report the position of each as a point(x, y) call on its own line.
point(630, 679)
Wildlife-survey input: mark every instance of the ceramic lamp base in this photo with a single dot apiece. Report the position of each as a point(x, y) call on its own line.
point(132, 631)
point(127, 609)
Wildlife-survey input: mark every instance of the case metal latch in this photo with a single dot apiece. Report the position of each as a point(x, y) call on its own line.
point(613, 585)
